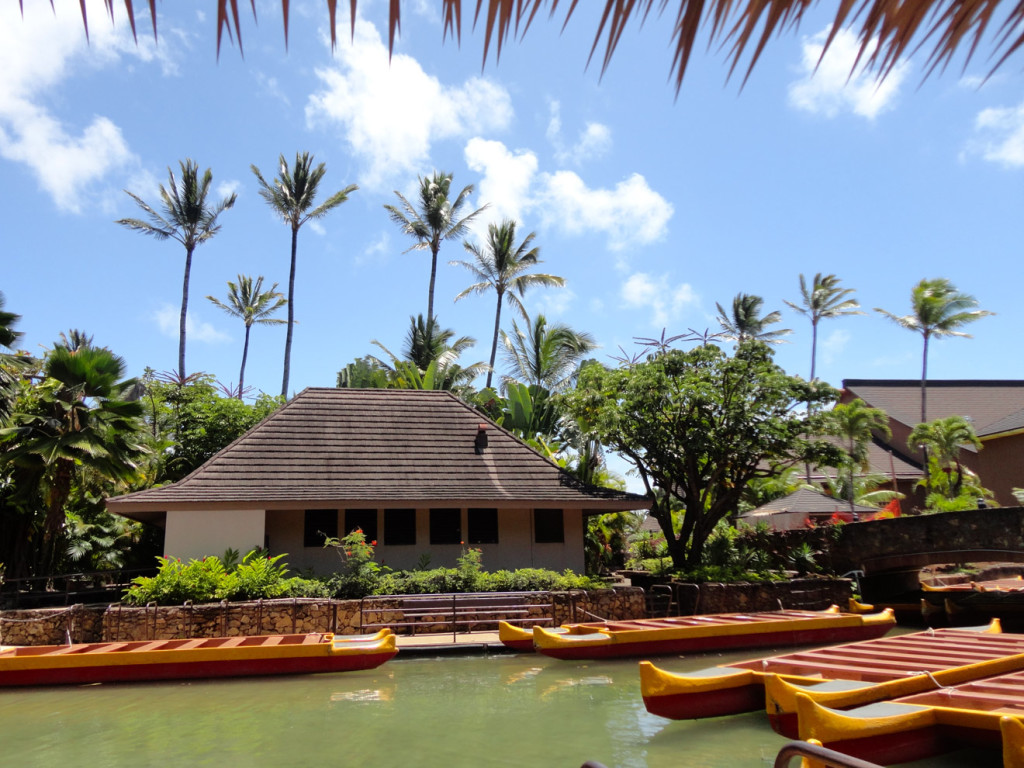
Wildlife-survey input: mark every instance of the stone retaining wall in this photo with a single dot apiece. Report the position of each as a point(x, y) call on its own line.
point(807, 594)
point(113, 623)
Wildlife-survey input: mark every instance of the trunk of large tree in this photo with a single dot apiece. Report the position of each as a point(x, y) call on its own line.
point(291, 316)
point(434, 248)
point(184, 314)
point(245, 355)
point(494, 342)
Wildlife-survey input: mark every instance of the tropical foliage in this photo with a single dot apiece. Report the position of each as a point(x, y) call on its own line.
point(545, 355)
point(948, 483)
point(823, 300)
point(855, 423)
point(744, 321)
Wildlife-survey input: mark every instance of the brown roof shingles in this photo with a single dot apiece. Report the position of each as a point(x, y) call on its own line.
point(336, 446)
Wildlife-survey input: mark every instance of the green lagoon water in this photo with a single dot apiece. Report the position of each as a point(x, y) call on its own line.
point(449, 712)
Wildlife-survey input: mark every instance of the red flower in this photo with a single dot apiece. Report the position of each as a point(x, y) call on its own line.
point(373, 543)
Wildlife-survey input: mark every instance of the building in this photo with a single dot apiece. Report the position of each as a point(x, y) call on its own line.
point(420, 472)
point(804, 508)
point(994, 408)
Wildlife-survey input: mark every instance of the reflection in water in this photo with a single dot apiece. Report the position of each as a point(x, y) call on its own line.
point(451, 712)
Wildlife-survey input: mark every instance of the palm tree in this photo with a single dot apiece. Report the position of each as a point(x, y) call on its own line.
point(938, 309)
point(80, 420)
point(545, 355)
point(502, 266)
point(291, 197)
point(188, 218)
point(745, 322)
point(856, 422)
point(824, 300)
point(436, 220)
point(943, 439)
point(430, 358)
point(11, 365)
point(886, 36)
point(250, 303)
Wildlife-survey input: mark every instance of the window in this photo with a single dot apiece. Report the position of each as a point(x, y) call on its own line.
point(319, 524)
point(399, 526)
point(548, 526)
point(445, 526)
point(364, 519)
point(483, 526)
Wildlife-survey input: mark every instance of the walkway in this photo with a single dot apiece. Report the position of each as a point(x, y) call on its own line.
point(447, 643)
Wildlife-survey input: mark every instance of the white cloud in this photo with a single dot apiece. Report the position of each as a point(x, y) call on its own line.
point(227, 188)
point(168, 317)
point(39, 54)
point(1000, 135)
point(834, 345)
point(833, 86)
point(552, 303)
point(667, 304)
point(595, 140)
point(391, 114)
point(376, 251)
point(630, 214)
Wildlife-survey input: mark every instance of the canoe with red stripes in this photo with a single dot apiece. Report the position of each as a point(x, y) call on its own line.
point(740, 687)
point(198, 658)
point(712, 632)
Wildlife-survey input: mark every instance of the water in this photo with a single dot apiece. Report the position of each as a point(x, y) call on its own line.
point(451, 712)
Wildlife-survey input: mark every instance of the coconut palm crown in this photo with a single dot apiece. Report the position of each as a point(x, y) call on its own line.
point(187, 217)
point(291, 197)
point(545, 355)
point(824, 299)
point(501, 265)
point(938, 309)
point(745, 322)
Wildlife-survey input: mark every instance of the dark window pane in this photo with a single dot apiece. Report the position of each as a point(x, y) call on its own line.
point(548, 526)
point(319, 524)
point(399, 526)
point(483, 526)
point(365, 520)
point(446, 526)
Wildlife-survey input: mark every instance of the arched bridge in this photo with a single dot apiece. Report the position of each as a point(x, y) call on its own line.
point(893, 551)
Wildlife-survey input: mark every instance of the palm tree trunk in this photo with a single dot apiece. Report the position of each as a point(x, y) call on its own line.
point(494, 341)
point(245, 355)
point(434, 248)
point(184, 315)
point(291, 315)
point(814, 347)
point(924, 381)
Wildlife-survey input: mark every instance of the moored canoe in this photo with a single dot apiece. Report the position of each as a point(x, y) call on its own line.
point(196, 658)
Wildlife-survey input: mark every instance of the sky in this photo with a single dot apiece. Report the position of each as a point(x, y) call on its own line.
point(652, 205)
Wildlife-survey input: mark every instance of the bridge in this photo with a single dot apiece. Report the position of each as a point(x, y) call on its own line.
point(891, 552)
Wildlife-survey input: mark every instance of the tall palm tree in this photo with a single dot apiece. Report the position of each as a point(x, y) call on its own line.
point(187, 217)
point(545, 355)
point(824, 300)
point(291, 197)
point(433, 353)
point(745, 322)
point(855, 422)
point(253, 306)
point(937, 309)
point(502, 266)
point(11, 365)
point(434, 221)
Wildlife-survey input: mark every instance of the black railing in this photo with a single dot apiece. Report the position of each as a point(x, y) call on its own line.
point(68, 588)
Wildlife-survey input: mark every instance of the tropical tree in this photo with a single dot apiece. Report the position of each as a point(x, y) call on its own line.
point(430, 358)
point(745, 321)
point(855, 423)
point(253, 306)
point(187, 217)
point(76, 420)
point(943, 440)
point(824, 300)
point(545, 355)
point(435, 220)
point(698, 426)
point(938, 309)
point(291, 197)
point(11, 365)
point(502, 266)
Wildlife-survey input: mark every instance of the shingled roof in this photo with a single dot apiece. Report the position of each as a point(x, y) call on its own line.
point(808, 502)
point(374, 447)
point(986, 403)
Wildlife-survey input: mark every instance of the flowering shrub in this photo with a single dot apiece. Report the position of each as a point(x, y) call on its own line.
point(359, 572)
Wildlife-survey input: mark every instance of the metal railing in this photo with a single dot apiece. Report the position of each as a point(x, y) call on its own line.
point(68, 588)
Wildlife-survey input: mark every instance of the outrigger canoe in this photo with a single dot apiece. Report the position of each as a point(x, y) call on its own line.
point(903, 663)
point(982, 713)
point(694, 634)
point(199, 658)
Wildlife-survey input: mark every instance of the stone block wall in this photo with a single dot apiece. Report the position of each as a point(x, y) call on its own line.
point(119, 623)
point(806, 594)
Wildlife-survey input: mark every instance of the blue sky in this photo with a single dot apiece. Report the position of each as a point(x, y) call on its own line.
point(652, 206)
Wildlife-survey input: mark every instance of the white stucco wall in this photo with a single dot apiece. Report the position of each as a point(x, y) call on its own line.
point(515, 548)
point(196, 534)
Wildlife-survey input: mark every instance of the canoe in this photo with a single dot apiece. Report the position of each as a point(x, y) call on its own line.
point(515, 637)
point(199, 658)
point(981, 713)
point(741, 686)
point(713, 632)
